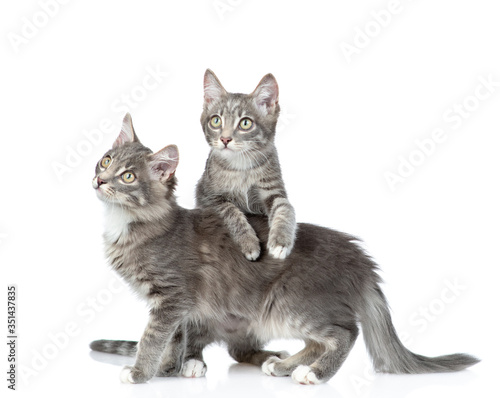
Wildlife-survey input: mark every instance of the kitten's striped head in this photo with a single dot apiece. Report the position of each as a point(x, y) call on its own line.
point(132, 176)
point(240, 127)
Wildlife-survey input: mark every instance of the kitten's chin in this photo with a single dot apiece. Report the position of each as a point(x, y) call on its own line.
point(227, 152)
point(103, 196)
point(235, 160)
point(230, 155)
point(100, 195)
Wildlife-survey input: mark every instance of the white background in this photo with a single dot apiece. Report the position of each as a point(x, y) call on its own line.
point(346, 122)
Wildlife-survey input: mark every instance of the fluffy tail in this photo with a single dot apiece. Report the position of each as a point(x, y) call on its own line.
point(388, 353)
point(120, 347)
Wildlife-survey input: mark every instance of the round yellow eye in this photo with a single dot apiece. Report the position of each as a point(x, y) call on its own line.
point(128, 177)
point(106, 162)
point(245, 123)
point(215, 121)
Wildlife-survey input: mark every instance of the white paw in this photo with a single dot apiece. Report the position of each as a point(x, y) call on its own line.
point(304, 375)
point(268, 366)
point(280, 252)
point(194, 368)
point(252, 256)
point(126, 375)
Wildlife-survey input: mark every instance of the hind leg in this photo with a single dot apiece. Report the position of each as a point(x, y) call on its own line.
point(173, 355)
point(250, 350)
point(275, 366)
point(337, 347)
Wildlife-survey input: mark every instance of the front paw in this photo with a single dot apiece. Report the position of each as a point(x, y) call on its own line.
point(280, 245)
point(268, 366)
point(252, 255)
point(251, 248)
point(305, 375)
point(131, 375)
point(194, 368)
point(279, 252)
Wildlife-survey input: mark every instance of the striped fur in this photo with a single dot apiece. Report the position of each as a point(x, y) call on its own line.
point(242, 174)
point(200, 289)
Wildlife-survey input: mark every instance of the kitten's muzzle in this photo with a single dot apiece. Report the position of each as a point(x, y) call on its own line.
point(97, 182)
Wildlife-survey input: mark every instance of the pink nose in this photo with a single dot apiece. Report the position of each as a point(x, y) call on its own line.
point(100, 182)
point(225, 140)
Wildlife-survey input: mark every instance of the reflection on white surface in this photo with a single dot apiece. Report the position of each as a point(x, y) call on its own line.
point(225, 378)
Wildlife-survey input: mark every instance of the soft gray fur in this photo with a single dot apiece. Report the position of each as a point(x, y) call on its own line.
point(242, 174)
point(201, 289)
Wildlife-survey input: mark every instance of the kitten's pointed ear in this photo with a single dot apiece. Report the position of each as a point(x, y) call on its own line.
point(212, 87)
point(127, 133)
point(266, 94)
point(164, 163)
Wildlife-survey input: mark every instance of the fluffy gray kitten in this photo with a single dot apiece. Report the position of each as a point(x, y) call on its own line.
point(200, 289)
point(242, 175)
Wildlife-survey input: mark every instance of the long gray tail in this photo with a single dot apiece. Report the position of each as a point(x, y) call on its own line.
point(389, 355)
point(120, 347)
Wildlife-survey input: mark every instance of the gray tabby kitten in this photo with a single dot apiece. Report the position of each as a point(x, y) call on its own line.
point(242, 174)
point(200, 289)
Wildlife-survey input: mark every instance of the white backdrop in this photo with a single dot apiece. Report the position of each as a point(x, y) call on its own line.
point(389, 130)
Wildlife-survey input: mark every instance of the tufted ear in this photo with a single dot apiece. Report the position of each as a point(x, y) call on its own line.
point(266, 94)
point(164, 163)
point(213, 89)
point(127, 133)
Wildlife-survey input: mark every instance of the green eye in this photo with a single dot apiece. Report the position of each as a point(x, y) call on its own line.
point(128, 177)
point(215, 121)
point(106, 162)
point(245, 123)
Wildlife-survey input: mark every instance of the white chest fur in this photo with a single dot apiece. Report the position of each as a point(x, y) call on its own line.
point(116, 224)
